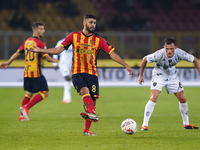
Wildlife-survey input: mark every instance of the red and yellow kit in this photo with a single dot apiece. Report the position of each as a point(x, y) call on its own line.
point(85, 50)
point(33, 61)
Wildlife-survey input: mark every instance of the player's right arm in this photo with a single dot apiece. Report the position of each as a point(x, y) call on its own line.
point(56, 50)
point(12, 58)
point(143, 65)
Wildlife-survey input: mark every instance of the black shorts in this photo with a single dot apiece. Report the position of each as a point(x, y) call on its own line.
point(86, 80)
point(35, 85)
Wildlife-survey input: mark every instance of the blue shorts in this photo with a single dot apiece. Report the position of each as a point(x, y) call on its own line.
point(86, 80)
point(35, 85)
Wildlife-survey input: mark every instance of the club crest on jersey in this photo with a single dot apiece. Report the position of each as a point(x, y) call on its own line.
point(154, 84)
point(150, 59)
point(91, 41)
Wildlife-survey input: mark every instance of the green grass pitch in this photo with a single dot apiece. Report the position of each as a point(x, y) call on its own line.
point(57, 126)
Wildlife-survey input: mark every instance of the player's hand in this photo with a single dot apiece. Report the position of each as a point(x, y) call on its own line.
point(34, 49)
point(141, 79)
point(130, 70)
point(4, 65)
point(55, 61)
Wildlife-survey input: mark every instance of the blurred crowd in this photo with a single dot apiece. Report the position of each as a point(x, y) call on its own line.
point(126, 15)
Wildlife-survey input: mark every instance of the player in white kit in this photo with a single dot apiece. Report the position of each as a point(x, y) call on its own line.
point(65, 64)
point(165, 75)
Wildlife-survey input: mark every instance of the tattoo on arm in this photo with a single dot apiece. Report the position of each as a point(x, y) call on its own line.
point(144, 63)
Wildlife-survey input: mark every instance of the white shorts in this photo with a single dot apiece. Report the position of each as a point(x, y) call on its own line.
point(172, 85)
point(65, 64)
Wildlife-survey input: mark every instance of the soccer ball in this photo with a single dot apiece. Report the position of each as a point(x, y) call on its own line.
point(129, 126)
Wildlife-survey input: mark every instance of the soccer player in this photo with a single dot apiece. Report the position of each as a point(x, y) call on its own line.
point(34, 80)
point(86, 46)
point(165, 75)
point(65, 65)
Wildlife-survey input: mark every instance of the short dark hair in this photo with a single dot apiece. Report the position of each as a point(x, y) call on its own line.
point(88, 16)
point(36, 24)
point(170, 40)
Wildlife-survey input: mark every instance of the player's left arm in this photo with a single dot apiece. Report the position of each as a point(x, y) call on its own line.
point(50, 59)
point(12, 58)
point(118, 59)
point(196, 63)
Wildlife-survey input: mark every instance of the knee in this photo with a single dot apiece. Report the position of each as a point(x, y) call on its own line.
point(84, 91)
point(154, 98)
point(183, 99)
point(46, 94)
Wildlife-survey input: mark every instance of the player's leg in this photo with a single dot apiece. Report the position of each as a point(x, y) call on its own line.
point(176, 87)
point(65, 64)
point(149, 107)
point(25, 100)
point(81, 86)
point(38, 85)
point(35, 85)
point(88, 124)
point(183, 107)
point(67, 90)
point(87, 100)
point(156, 87)
point(36, 99)
point(93, 89)
point(90, 115)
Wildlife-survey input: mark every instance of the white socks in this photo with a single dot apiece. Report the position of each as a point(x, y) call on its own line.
point(147, 113)
point(183, 107)
point(67, 91)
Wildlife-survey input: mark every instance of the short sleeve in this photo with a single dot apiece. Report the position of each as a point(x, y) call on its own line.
point(67, 41)
point(104, 45)
point(154, 57)
point(185, 56)
point(21, 48)
point(44, 47)
point(150, 58)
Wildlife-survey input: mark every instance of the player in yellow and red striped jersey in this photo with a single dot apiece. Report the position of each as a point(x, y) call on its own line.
point(34, 81)
point(33, 61)
point(85, 51)
point(86, 45)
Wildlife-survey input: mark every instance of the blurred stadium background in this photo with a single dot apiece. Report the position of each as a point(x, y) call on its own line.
point(135, 28)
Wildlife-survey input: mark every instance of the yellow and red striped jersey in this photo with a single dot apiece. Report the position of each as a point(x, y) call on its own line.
point(33, 61)
point(85, 50)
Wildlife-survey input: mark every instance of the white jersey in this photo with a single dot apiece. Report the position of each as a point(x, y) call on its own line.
point(65, 57)
point(166, 66)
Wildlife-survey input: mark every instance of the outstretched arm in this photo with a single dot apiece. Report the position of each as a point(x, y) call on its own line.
point(56, 50)
point(13, 57)
point(118, 59)
point(196, 63)
point(143, 65)
point(50, 59)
